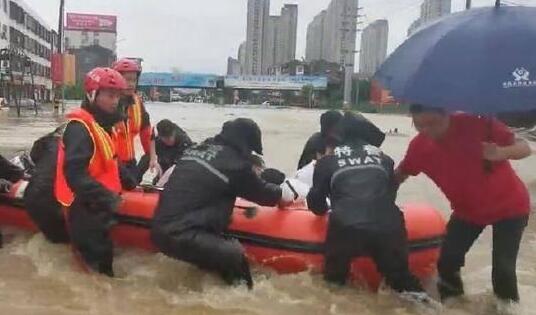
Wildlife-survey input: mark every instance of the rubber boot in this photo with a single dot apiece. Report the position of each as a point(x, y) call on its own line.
point(450, 285)
point(243, 273)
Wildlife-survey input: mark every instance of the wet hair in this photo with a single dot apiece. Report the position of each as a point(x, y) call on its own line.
point(271, 175)
point(355, 128)
point(421, 109)
point(243, 134)
point(322, 145)
point(165, 128)
point(328, 121)
point(257, 160)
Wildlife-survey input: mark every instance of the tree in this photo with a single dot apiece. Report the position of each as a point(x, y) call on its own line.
point(307, 93)
point(74, 92)
point(364, 90)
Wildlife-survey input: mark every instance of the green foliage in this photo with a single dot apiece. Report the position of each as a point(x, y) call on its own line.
point(74, 92)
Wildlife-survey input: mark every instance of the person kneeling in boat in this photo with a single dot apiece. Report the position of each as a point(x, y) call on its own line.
point(87, 173)
point(9, 174)
point(136, 121)
point(359, 180)
point(197, 203)
point(305, 174)
point(328, 121)
point(170, 143)
point(275, 176)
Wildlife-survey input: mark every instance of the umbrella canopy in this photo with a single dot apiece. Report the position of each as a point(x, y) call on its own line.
point(480, 61)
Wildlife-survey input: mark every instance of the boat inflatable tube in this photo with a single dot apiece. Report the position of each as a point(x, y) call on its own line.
point(286, 240)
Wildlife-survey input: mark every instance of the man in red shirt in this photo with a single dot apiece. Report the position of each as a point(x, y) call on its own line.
point(468, 158)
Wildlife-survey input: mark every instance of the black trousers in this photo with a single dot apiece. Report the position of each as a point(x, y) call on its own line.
point(388, 249)
point(9, 171)
point(206, 250)
point(129, 174)
point(89, 229)
point(143, 166)
point(460, 237)
point(46, 212)
point(41, 204)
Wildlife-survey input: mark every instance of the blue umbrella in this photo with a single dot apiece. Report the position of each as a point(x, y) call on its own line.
point(480, 61)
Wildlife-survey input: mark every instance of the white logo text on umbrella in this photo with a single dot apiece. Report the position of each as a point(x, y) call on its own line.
point(521, 79)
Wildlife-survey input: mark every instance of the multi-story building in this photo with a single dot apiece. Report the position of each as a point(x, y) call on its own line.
point(92, 39)
point(27, 44)
point(258, 12)
point(242, 57)
point(434, 9)
point(431, 10)
point(280, 38)
point(271, 38)
point(5, 22)
point(89, 57)
point(373, 47)
point(233, 66)
point(416, 25)
point(287, 32)
point(336, 30)
point(315, 38)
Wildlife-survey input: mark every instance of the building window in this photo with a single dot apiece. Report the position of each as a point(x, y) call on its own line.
point(96, 34)
point(13, 10)
point(84, 33)
point(96, 42)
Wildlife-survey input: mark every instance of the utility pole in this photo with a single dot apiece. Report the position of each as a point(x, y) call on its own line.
point(60, 48)
point(60, 26)
point(357, 90)
point(348, 31)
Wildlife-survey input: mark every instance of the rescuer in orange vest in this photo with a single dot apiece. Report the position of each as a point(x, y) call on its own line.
point(136, 122)
point(87, 180)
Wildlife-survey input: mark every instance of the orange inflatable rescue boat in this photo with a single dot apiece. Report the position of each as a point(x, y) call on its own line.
point(286, 240)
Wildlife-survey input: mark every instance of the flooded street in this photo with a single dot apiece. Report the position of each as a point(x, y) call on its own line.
point(39, 278)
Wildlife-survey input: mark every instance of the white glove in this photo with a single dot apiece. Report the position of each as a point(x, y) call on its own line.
point(287, 193)
point(165, 177)
point(293, 191)
point(5, 186)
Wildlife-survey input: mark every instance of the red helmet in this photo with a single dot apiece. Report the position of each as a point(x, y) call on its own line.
point(126, 65)
point(104, 78)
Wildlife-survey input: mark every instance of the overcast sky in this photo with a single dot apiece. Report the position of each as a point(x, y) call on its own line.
point(199, 35)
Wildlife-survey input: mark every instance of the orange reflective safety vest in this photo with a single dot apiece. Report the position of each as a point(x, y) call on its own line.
point(128, 130)
point(103, 165)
